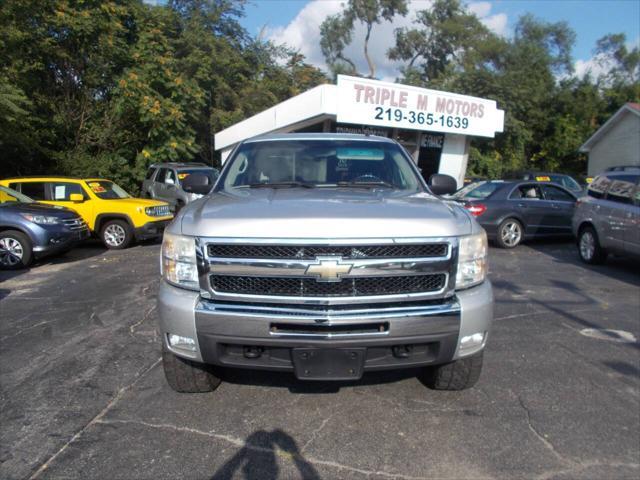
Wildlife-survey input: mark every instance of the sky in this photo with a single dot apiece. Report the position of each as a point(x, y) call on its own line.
point(297, 24)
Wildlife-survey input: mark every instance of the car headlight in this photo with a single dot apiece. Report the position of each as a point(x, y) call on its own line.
point(178, 264)
point(472, 260)
point(41, 219)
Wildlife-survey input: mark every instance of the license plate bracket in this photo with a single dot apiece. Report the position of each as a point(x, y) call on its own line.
point(328, 363)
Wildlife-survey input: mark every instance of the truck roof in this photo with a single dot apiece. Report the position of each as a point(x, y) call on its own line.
point(317, 136)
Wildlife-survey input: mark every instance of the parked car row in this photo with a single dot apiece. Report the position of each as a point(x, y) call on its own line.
point(604, 220)
point(45, 215)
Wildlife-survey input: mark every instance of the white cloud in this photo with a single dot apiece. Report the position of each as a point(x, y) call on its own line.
point(496, 23)
point(481, 9)
point(303, 34)
point(594, 66)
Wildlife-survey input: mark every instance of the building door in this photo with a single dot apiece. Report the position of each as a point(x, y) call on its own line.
point(430, 152)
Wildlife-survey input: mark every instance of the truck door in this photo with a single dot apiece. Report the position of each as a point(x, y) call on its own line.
point(559, 212)
point(159, 188)
point(528, 203)
point(632, 243)
point(624, 212)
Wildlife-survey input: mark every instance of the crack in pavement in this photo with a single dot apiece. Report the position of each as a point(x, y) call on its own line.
point(95, 419)
point(541, 437)
point(132, 328)
point(239, 443)
point(313, 435)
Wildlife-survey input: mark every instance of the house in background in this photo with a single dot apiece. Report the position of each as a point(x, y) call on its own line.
point(615, 143)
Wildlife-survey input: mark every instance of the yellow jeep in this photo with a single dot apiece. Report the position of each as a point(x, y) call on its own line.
point(110, 212)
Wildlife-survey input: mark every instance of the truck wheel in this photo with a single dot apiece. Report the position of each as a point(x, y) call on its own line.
point(16, 251)
point(187, 376)
point(510, 233)
point(116, 234)
point(589, 247)
point(458, 375)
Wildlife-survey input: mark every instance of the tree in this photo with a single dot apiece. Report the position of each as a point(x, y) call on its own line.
point(335, 36)
point(443, 34)
point(104, 88)
point(336, 31)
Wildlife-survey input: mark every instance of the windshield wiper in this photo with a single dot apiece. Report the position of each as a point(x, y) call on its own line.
point(380, 183)
point(279, 185)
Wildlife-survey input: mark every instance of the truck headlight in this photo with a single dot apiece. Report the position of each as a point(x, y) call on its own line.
point(178, 264)
point(41, 219)
point(472, 260)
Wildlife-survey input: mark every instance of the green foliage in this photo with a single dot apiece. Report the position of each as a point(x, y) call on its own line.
point(336, 31)
point(106, 87)
point(546, 118)
point(442, 35)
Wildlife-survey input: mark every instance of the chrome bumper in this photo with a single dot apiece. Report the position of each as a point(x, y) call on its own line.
point(222, 329)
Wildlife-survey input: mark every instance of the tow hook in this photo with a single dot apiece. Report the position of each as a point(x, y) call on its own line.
point(402, 351)
point(252, 352)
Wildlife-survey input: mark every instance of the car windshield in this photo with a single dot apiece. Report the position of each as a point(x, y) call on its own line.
point(212, 173)
point(320, 163)
point(478, 190)
point(107, 190)
point(8, 195)
point(565, 180)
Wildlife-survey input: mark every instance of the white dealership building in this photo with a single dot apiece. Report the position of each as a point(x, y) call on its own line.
point(435, 127)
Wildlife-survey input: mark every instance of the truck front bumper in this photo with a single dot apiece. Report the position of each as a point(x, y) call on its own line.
point(265, 336)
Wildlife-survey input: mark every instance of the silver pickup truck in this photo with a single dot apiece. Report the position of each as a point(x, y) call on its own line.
point(325, 255)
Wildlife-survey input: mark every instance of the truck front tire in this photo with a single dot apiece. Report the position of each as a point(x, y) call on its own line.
point(187, 376)
point(458, 375)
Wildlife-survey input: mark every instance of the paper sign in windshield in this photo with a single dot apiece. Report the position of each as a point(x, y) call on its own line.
point(96, 187)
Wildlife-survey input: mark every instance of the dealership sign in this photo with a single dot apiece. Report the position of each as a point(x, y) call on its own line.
point(384, 104)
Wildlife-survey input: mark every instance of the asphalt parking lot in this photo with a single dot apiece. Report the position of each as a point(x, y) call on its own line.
point(83, 393)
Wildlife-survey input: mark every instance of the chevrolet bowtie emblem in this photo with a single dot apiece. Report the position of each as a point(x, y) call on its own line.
point(328, 269)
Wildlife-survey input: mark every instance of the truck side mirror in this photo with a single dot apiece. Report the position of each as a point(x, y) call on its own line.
point(76, 198)
point(197, 183)
point(440, 184)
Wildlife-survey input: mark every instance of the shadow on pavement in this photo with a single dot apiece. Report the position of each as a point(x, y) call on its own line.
point(623, 368)
point(624, 269)
point(288, 380)
point(257, 458)
point(82, 251)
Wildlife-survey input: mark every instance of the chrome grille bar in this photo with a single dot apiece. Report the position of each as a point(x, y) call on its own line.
point(289, 280)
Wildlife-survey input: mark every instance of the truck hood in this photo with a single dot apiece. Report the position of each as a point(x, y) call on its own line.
point(323, 213)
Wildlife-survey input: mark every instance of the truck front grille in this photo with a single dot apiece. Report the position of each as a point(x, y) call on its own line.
point(309, 287)
point(309, 252)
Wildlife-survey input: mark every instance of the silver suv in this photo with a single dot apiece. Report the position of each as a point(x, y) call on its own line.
point(164, 182)
point(325, 255)
point(607, 219)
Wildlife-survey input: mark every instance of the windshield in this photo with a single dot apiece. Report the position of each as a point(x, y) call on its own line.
point(478, 190)
point(212, 173)
point(107, 190)
point(320, 163)
point(565, 180)
point(8, 195)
